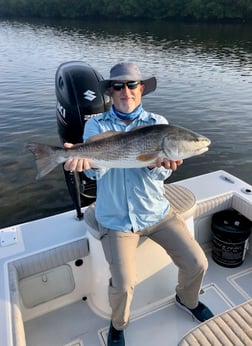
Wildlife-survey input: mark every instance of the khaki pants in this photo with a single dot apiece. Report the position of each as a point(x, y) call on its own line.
point(120, 252)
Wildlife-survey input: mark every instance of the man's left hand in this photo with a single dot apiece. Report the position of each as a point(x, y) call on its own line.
point(166, 163)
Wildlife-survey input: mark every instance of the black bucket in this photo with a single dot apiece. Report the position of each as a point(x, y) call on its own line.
point(231, 231)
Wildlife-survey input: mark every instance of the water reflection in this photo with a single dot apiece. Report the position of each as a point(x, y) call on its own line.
point(204, 83)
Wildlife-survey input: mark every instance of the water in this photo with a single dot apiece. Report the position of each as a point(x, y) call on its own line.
point(204, 77)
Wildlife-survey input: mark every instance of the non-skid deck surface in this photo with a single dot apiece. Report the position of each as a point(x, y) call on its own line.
point(77, 325)
point(66, 326)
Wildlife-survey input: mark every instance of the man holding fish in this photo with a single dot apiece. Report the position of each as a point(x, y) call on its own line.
point(131, 203)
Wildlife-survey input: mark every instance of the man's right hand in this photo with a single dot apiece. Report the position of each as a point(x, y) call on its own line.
point(76, 164)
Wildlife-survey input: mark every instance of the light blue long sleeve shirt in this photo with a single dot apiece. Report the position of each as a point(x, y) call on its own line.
point(128, 199)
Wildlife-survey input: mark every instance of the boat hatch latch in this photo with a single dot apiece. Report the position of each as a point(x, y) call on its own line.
point(8, 236)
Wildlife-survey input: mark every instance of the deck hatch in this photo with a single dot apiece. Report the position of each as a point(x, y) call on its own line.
point(43, 287)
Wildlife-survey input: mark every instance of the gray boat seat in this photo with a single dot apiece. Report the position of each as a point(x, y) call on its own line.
point(232, 327)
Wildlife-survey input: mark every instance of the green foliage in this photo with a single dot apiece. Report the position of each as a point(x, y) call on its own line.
point(135, 9)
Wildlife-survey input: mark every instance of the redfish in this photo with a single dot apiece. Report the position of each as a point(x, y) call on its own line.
point(137, 148)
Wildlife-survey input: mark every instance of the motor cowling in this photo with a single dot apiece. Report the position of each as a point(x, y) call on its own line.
point(79, 97)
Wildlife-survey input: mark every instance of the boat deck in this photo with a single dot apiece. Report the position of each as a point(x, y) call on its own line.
point(77, 325)
point(54, 277)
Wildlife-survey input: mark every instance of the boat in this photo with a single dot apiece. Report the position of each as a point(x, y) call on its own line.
point(54, 277)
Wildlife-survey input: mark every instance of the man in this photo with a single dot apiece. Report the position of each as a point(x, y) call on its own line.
point(131, 203)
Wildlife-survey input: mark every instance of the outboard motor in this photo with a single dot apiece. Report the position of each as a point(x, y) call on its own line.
point(78, 98)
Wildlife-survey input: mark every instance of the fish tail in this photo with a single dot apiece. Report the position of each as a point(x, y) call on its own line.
point(45, 156)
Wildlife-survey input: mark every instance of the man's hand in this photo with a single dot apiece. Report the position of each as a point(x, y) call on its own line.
point(168, 164)
point(78, 165)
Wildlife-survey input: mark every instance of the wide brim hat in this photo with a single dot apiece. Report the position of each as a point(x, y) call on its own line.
point(129, 72)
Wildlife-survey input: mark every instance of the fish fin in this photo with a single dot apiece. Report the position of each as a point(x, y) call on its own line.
point(45, 157)
point(111, 133)
point(139, 127)
point(103, 135)
point(148, 156)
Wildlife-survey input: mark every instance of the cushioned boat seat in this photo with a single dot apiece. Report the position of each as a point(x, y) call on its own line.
point(233, 327)
point(181, 199)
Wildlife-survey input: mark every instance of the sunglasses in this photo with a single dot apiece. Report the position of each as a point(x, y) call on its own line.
point(120, 85)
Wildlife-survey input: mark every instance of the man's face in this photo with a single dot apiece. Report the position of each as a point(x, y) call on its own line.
point(128, 97)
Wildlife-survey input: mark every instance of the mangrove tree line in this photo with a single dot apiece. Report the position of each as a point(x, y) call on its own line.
point(130, 9)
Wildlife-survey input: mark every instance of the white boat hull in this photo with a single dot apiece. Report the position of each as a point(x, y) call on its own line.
point(53, 276)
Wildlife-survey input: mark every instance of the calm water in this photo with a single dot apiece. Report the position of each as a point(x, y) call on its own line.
point(204, 77)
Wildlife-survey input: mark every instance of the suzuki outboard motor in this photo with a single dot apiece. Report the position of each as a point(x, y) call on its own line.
point(78, 98)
